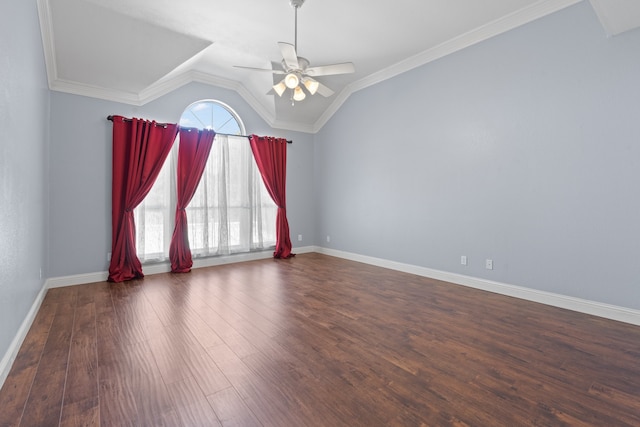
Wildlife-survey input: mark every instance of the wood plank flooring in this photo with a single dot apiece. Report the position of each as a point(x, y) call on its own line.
point(316, 341)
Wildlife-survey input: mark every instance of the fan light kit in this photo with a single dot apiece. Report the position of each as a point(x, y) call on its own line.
point(298, 94)
point(296, 70)
point(291, 81)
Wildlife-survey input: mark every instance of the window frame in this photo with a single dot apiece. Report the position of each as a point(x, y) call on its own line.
point(169, 176)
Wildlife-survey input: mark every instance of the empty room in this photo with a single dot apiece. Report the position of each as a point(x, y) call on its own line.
point(319, 213)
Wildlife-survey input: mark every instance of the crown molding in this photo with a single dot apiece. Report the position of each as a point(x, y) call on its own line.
point(480, 34)
point(601, 13)
point(165, 86)
point(485, 32)
point(90, 91)
point(266, 114)
point(340, 99)
point(205, 78)
point(293, 126)
point(617, 16)
point(46, 32)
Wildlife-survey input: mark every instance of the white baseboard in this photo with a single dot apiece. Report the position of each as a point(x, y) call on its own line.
point(594, 308)
point(76, 279)
point(12, 351)
point(607, 311)
point(80, 279)
point(165, 267)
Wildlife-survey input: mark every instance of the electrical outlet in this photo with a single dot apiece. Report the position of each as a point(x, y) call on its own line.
point(489, 264)
point(328, 238)
point(108, 256)
point(299, 237)
point(463, 260)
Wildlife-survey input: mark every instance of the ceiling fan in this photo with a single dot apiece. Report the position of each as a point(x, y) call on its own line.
point(297, 72)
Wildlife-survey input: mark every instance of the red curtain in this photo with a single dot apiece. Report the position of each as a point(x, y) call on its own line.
point(193, 153)
point(140, 147)
point(271, 157)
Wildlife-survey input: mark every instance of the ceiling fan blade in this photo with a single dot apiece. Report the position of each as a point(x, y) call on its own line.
point(324, 91)
point(328, 70)
point(266, 70)
point(289, 55)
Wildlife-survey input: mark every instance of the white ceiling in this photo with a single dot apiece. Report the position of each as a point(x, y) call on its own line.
point(134, 51)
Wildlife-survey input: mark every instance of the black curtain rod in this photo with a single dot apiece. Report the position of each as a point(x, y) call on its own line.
point(223, 134)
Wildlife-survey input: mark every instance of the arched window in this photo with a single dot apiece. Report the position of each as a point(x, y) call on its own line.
point(212, 114)
point(231, 210)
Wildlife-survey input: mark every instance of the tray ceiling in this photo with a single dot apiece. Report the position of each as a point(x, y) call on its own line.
point(134, 51)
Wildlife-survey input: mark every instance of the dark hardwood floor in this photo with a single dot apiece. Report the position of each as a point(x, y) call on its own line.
point(316, 341)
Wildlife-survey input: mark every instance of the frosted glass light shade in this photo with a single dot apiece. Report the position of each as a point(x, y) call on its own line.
point(311, 85)
point(280, 88)
point(291, 80)
point(298, 94)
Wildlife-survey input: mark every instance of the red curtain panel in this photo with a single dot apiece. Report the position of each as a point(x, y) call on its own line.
point(193, 153)
point(140, 148)
point(271, 157)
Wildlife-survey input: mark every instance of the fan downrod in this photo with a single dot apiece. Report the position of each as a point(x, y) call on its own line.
point(296, 4)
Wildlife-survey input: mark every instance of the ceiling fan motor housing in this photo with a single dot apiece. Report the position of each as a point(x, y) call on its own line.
point(296, 69)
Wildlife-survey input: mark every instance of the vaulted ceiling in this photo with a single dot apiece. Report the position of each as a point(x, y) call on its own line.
point(134, 51)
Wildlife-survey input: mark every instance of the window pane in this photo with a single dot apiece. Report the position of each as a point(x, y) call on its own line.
point(155, 215)
point(231, 210)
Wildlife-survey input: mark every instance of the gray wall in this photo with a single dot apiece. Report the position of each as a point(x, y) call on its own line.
point(80, 176)
point(24, 116)
point(524, 149)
